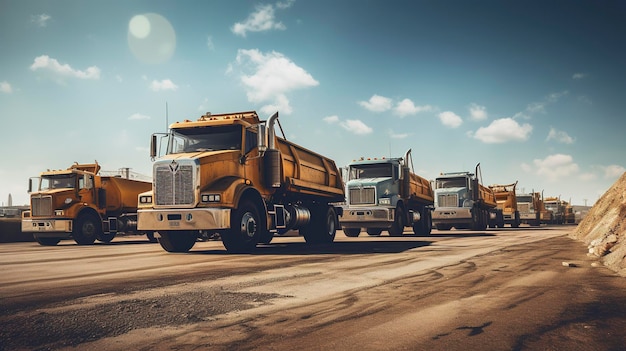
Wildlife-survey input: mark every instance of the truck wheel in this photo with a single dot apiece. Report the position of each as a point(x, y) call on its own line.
point(245, 229)
point(424, 226)
point(177, 240)
point(323, 226)
point(86, 229)
point(266, 237)
point(151, 237)
point(397, 228)
point(46, 241)
point(106, 238)
point(352, 232)
point(374, 231)
point(443, 227)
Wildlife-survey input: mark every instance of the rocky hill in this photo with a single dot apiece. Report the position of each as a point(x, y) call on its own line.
point(604, 228)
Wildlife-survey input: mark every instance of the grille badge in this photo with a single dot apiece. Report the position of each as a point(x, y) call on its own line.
point(174, 166)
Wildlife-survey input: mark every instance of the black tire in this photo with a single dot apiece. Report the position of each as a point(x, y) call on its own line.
point(46, 241)
point(245, 229)
point(106, 238)
point(87, 228)
point(177, 240)
point(374, 231)
point(443, 227)
point(151, 237)
point(352, 232)
point(323, 226)
point(266, 237)
point(397, 228)
point(425, 225)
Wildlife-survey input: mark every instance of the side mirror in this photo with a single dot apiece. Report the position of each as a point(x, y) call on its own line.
point(153, 146)
point(30, 185)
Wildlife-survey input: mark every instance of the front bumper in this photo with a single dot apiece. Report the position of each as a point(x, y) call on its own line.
point(183, 219)
point(367, 217)
point(452, 215)
point(45, 226)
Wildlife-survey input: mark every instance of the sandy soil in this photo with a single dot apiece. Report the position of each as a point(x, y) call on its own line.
point(524, 289)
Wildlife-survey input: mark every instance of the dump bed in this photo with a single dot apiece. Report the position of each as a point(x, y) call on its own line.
point(487, 195)
point(420, 189)
point(122, 193)
point(505, 197)
point(306, 172)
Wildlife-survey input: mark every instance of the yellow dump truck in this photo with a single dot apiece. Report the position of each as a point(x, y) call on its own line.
point(81, 204)
point(384, 194)
point(461, 201)
point(568, 216)
point(231, 174)
point(530, 206)
point(557, 209)
point(506, 199)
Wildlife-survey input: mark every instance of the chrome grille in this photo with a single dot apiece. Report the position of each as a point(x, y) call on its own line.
point(523, 207)
point(448, 200)
point(41, 206)
point(362, 196)
point(174, 188)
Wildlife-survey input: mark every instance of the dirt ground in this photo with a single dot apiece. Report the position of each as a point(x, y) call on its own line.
point(524, 289)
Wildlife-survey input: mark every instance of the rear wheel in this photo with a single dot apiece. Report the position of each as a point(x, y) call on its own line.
point(374, 231)
point(322, 227)
point(424, 226)
point(352, 232)
point(106, 238)
point(177, 240)
point(443, 227)
point(46, 241)
point(397, 228)
point(245, 229)
point(86, 229)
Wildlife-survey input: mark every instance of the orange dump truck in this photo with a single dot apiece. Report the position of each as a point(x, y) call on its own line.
point(507, 203)
point(81, 204)
point(461, 201)
point(384, 194)
point(530, 206)
point(231, 174)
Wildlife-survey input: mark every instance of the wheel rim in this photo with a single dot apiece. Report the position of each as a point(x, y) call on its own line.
point(89, 229)
point(248, 225)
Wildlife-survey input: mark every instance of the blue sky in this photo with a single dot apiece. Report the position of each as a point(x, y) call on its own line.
point(533, 90)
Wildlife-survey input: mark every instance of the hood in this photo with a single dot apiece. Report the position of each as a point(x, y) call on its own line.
point(364, 182)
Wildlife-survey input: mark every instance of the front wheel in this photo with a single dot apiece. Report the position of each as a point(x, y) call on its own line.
point(397, 228)
point(177, 240)
point(87, 229)
point(46, 241)
point(374, 231)
point(352, 232)
point(424, 226)
point(245, 229)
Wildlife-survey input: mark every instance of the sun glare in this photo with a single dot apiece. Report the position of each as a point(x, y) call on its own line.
point(151, 38)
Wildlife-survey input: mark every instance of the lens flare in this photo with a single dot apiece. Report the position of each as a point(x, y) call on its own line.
point(151, 38)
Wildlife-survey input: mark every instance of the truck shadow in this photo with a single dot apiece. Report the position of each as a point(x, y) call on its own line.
point(346, 248)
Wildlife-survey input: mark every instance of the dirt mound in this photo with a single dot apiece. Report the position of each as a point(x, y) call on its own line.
point(604, 227)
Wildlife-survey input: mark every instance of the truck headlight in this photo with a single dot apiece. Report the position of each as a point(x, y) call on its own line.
point(468, 203)
point(146, 199)
point(211, 198)
point(58, 213)
point(68, 201)
point(384, 201)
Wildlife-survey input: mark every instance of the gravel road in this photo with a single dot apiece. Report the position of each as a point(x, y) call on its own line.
point(507, 289)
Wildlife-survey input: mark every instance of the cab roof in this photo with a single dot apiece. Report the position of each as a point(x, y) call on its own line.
point(246, 118)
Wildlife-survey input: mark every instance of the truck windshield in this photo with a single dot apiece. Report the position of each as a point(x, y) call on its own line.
point(459, 182)
point(205, 139)
point(524, 198)
point(62, 181)
point(371, 171)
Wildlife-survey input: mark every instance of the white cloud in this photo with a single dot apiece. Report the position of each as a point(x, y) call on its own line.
point(40, 20)
point(50, 65)
point(586, 177)
point(272, 76)
point(503, 130)
point(560, 136)
point(331, 119)
point(477, 112)
point(407, 107)
point(5, 87)
point(356, 126)
point(554, 167)
point(377, 103)
point(613, 171)
point(450, 119)
point(209, 43)
point(540, 107)
point(398, 135)
point(263, 19)
point(138, 116)
point(163, 85)
point(578, 76)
